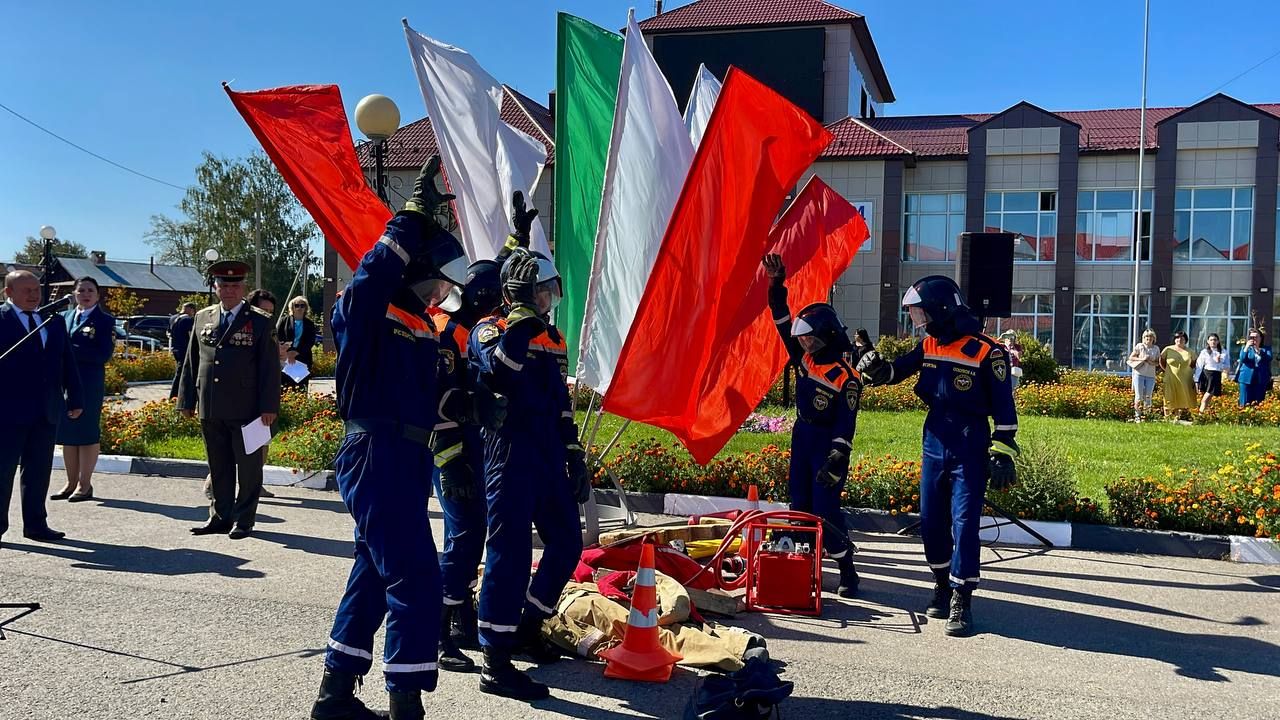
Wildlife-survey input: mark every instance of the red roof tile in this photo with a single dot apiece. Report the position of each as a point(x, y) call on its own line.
point(715, 14)
point(947, 135)
point(414, 143)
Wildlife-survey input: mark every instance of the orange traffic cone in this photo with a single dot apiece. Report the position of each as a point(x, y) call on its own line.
point(751, 539)
point(640, 657)
point(753, 497)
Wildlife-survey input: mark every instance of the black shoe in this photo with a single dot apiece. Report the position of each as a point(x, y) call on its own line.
point(530, 643)
point(451, 658)
point(240, 533)
point(464, 631)
point(500, 677)
point(266, 493)
point(407, 706)
point(848, 577)
point(62, 494)
point(43, 535)
point(81, 497)
point(960, 622)
point(940, 605)
point(212, 527)
point(337, 699)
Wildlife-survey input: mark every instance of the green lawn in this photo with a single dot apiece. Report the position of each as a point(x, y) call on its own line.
point(1100, 450)
point(185, 448)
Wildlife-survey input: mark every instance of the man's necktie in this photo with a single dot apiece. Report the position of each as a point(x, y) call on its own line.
point(224, 324)
point(33, 323)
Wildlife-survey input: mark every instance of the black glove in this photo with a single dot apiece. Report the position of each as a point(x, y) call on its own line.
point(489, 409)
point(522, 281)
point(521, 219)
point(579, 478)
point(774, 269)
point(874, 370)
point(834, 469)
point(1001, 472)
point(457, 481)
point(426, 199)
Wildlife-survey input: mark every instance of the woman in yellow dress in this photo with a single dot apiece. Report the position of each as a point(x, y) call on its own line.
point(1179, 364)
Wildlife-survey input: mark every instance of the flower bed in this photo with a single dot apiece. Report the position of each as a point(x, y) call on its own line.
point(145, 367)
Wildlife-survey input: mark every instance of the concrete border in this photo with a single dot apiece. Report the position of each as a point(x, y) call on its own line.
point(172, 467)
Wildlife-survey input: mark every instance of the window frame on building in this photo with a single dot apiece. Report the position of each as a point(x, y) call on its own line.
point(1046, 246)
point(1186, 199)
point(1041, 317)
point(1088, 211)
point(1095, 313)
point(914, 209)
point(1230, 325)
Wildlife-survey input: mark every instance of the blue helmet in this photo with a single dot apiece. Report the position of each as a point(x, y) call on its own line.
point(940, 298)
point(821, 322)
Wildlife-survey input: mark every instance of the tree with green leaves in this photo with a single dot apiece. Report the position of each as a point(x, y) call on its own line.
point(32, 251)
point(235, 204)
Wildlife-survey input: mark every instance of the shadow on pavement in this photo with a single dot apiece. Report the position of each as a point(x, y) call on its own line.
point(313, 545)
point(185, 513)
point(142, 560)
point(810, 707)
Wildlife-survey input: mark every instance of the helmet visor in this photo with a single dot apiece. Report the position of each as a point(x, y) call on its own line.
point(547, 294)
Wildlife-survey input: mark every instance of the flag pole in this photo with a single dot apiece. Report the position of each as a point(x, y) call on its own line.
point(1136, 335)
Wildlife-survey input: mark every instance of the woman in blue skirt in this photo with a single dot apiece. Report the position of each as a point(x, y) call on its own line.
point(92, 333)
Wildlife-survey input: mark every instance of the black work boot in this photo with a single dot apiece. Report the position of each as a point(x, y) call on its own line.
point(407, 706)
point(960, 622)
point(451, 658)
point(465, 634)
point(500, 677)
point(337, 699)
point(848, 576)
point(940, 606)
point(531, 644)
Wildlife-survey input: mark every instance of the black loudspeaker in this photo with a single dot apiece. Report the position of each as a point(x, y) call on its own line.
point(984, 271)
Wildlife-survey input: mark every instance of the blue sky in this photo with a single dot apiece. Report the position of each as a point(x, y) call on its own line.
point(138, 82)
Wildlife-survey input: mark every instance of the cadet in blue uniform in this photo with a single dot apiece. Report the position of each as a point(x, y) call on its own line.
point(384, 463)
point(828, 392)
point(459, 458)
point(964, 380)
point(535, 472)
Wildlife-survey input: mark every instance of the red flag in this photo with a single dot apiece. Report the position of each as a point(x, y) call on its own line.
point(304, 130)
point(756, 147)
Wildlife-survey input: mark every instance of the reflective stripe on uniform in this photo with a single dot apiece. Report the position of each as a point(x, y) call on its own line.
point(838, 555)
point(496, 628)
point(508, 361)
point(939, 566)
point(954, 352)
point(566, 414)
point(538, 603)
point(348, 650)
point(643, 620)
point(450, 601)
point(781, 320)
point(445, 456)
point(444, 426)
point(409, 668)
point(395, 247)
point(843, 442)
point(962, 581)
point(573, 446)
point(416, 332)
point(1007, 427)
point(818, 373)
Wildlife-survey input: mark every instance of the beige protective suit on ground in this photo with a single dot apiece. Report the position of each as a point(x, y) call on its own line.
point(587, 623)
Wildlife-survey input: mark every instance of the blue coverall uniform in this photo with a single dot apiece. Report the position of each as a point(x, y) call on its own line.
point(525, 476)
point(963, 383)
point(383, 470)
point(827, 399)
point(457, 442)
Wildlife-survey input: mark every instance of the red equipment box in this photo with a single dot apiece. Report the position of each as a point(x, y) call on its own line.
point(783, 581)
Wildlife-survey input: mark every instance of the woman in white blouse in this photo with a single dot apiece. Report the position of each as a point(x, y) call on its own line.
point(1210, 366)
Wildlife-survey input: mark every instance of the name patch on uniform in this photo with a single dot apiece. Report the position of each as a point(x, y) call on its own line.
point(446, 358)
point(999, 369)
point(402, 333)
point(962, 382)
point(487, 334)
point(820, 402)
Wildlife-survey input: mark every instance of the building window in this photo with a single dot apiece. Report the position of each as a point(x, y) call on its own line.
point(1033, 215)
point(1032, 313)
point(1101, 329)
point(1199, 315)
point(1213, 224)
point(1106, 222)
point(933, 222)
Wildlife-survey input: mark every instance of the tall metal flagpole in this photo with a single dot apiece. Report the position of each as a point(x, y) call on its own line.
point(1136, 336)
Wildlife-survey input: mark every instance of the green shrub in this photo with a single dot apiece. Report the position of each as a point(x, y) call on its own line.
point(310, 446)
point(1037, 361)
point(115, 382)
point(298, 407)
point(1046, 486)
point(892, 348)
point(885, 483)
point(145, 367)
point(323, 363)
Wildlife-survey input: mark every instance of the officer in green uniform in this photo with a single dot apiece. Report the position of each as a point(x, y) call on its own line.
point(231, 376)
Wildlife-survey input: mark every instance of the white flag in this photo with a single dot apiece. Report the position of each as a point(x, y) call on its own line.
point(484, 158)
point(702, 100)
point(649, 157)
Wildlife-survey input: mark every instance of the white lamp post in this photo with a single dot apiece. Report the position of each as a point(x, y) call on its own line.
point(378, 118)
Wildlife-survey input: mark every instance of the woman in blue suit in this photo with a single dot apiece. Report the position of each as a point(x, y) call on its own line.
point(1254, 371)
point(92, 333)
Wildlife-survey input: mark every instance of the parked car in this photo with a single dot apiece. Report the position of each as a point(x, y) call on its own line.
point(153, 326)
point(129, 346)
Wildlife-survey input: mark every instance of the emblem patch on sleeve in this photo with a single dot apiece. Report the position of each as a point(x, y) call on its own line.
point(446, 358)
point(486, 334)
point(1000, 369)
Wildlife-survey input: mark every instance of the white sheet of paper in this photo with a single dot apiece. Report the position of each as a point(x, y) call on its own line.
point(255, 435)
point(296, 370)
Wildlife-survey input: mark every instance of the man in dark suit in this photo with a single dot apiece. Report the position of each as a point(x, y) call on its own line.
point(231, 377)
point(39, 383)
point(179, 339)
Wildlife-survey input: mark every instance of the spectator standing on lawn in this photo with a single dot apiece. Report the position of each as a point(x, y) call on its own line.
point(1213, 361)
point(1179, 389)
point(1254, 371)
point(1144, 361)
point(92, 335)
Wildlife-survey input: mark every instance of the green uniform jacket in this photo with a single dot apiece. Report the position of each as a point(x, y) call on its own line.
point(235, 376)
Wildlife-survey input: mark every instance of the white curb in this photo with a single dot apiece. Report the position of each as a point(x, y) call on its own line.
point(1263, 551)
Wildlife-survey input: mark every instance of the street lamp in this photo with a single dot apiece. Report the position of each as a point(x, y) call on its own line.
point(48, 234)
point(211, 256)
point(378, 118)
